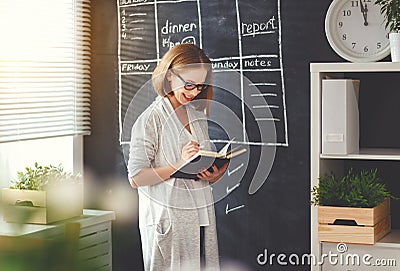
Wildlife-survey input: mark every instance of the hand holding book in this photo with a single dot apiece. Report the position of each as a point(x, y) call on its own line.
point(213, 176)
point(204, 159)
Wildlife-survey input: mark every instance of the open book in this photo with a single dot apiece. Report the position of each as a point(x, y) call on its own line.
point(205, 159)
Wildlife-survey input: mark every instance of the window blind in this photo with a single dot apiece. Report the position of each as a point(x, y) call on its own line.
point(44, 68)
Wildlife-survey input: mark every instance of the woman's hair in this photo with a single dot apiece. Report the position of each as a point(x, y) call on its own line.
point(180, 57)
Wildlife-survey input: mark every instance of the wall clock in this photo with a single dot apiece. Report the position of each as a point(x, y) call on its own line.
point(355, 29)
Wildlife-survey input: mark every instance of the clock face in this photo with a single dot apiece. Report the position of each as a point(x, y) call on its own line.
point(356, 30)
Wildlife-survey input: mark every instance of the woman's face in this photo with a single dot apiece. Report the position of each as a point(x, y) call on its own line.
point(177, 78)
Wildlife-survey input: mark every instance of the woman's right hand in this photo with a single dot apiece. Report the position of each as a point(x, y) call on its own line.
point(189, 150)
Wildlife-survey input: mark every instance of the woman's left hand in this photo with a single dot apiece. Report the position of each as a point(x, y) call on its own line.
point(214, 176)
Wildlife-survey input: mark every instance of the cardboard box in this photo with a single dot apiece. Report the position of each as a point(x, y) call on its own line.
point(340, 116)
point(42, 207)
point(371, 223)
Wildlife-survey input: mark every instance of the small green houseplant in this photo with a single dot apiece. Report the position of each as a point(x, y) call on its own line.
point(43, 177)
point(364, 189)
point(391, 11)
point(352, 209)
point(43, 195)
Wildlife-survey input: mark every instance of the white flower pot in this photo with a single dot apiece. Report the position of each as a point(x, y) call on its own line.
point(394, 39)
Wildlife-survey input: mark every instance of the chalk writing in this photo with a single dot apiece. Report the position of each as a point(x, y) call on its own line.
point(230, 172)
point(130, 2)
point(167, 42)
point(134, 67)
point(225, 64)
point(169, 28)
point(229, 190)
point(256, 28)
point(227, 210)
point(149, 28)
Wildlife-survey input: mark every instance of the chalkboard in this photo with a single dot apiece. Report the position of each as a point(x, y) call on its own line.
point(149, 29)
point(266, 45)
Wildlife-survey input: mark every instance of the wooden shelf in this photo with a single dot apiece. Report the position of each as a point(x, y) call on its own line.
point(391, 240)
point(368, 154)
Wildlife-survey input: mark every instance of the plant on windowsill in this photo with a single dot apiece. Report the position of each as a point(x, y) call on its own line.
point(43, 178)
point(359, 200)
point(43, 195)
point(391, 11)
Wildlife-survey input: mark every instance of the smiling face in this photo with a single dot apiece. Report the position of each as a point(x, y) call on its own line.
point(181, 96)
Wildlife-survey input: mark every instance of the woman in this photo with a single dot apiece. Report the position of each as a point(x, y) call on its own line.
point(176, 216)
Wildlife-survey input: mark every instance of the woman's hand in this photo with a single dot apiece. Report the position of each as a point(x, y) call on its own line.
point(214, 176)
point(189, 150)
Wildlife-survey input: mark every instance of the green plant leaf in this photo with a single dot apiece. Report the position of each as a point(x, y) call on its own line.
point(363, 189)
point(391, 11)
point(41, 177)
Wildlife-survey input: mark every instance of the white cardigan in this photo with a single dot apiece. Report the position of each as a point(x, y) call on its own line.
point(170, 211)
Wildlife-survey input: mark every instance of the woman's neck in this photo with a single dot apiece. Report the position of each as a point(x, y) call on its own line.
point(181, 112)
point(174, 102)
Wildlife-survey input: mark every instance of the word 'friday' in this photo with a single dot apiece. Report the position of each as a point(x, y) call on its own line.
point(135, 67)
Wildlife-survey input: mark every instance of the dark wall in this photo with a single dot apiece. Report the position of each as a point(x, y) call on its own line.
point(277, 217)
point(101, 146)
point(105, 171)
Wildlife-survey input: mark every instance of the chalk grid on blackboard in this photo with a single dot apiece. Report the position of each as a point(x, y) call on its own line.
point(147, 30)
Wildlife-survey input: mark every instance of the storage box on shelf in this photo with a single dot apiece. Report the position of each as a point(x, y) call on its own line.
point(340, 118)
point(326, 163)
point(370, 224)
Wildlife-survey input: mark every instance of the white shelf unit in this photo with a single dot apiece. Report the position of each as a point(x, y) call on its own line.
point(322, 163)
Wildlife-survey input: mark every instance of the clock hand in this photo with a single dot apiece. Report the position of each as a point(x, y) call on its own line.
point(365, 12)
point(361, 7)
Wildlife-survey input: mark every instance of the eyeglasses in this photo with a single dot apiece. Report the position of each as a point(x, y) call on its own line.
point(191, 86)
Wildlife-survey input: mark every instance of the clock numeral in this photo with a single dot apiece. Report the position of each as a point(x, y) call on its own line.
point(346, 12)
point(340, 24)
point(344, 37)
point(366, 49)
point(379, 45)
point(353, 45)
point(387, 35)
point(354, 4)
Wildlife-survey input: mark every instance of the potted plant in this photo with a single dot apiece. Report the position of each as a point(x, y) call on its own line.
point(43, 195)
point(391, 11)
point(352, 209)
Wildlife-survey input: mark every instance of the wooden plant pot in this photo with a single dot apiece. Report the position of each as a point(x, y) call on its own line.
point(42, 207)
point(371, 224)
